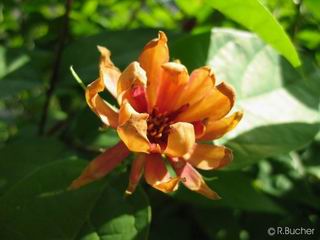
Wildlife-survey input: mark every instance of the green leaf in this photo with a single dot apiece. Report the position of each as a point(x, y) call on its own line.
point(280, 104)
point(20, 158)
point(84, 130)
point(246, 197)
point(257, 18)
point(192, 7)
point(115, 216)
point(224, 225)
point(38, 206)
point(313, 6)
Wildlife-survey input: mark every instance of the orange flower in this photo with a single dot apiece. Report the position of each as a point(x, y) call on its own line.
point(163, 113)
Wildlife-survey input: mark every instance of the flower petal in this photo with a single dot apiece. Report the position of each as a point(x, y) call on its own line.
point(207, 157)
point(215, 105)
point(217, 128)
point(154, 54)
point(102, 165)
point(201, 82)
point(199, 129)
point(180, 140)
point(175, 76)
point(157, 175)
point(132, 77)
point(135, 173)
point(192, 179)
point(107, 113)
point(132, 128)
point(108, 72)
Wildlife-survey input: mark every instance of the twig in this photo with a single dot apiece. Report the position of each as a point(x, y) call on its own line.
point(56, 66)
point(296, 22)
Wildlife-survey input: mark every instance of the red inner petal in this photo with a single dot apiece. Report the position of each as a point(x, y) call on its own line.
point(199, 128)
point(137, 98)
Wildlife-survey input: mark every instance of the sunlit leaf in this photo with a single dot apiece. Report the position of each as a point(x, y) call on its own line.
point(256, 17)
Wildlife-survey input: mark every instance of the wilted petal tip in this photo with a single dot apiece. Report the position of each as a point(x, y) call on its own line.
point(228, 90)
point(174, 67)
point(239, 114)
point(228, 158)
point(103, 50)
point(162, 36)
point(214, 196)
point(211, 72)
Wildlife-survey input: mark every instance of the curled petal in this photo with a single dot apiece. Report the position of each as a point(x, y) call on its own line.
point(108, 72)
point(207, 157)
point(157, 175)
point(102, 165)
point(132, 128)
point(136, 173)
point(154, 54)
point(199, 129)
point(132, 80)
point(193, 180)
point(217, 128)
point(175, 76)
point(180, 140)
point(215, 105)
point(107, 113)
point(201, 82)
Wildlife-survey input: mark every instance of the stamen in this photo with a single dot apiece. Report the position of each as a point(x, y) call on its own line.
point(161, 128)
point(153, 132)
point(157, 122)
point(159, 125)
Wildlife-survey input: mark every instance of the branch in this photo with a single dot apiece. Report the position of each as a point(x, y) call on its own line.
point(56, 66)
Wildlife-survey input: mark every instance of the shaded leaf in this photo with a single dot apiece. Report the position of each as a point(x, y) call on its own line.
point(236, 190)
point(35, 203)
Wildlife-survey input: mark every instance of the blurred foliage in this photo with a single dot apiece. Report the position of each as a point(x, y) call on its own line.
point(274, 178)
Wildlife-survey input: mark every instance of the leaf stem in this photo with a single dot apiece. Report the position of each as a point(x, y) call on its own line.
point(77, 78)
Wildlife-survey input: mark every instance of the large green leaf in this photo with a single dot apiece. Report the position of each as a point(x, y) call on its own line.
point(20, 158)
point(280, 105)
point(256, 17)
point(236, 190)
point(38, 206)
point(115, 216)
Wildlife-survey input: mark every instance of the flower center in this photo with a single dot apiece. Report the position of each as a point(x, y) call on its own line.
point(158, 126)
